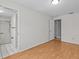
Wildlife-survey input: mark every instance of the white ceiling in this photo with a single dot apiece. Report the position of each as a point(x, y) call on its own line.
point(45, 6)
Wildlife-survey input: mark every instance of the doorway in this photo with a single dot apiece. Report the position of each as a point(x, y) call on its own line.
point(57, 29)
point(5, 32)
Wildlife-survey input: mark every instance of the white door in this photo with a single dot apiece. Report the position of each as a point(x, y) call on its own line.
point(4, 32)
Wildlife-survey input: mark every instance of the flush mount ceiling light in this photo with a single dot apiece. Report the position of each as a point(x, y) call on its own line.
point(55, 2)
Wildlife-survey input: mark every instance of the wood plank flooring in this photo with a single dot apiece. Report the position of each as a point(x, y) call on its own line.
point(54, 49)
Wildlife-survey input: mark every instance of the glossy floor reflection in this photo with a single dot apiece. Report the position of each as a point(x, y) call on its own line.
point(54, 49)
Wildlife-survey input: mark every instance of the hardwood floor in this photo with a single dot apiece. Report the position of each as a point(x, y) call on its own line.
point(54, 49)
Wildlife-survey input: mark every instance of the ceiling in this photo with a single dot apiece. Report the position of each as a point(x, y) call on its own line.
point(45, 6)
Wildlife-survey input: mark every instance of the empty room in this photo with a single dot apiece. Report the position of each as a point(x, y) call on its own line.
point(39, 29)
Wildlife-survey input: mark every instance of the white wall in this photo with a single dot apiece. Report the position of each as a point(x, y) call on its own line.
point(32, 27)
point(70, 28)
point(51, 29)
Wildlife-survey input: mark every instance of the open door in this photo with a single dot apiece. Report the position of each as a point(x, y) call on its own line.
point(5, 37)
point(57, 29)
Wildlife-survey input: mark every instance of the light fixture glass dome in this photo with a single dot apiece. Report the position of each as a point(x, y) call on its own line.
point(55, 2)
